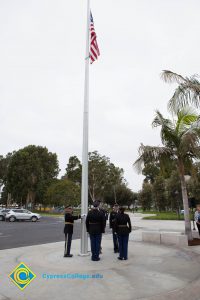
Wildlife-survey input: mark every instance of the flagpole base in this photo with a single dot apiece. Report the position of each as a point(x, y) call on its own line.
point(84, 254)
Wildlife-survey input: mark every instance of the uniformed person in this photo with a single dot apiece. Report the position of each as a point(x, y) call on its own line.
point(103, 211)
point(68, 229)
point(105, 215)
point(123, 228)
point(95, 225)
point(197, 217)
point(112, 219)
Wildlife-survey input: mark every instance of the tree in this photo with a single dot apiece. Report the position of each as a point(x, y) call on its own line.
point(62, 193)
point(74, 169)
point(194, 182)
point(150, 171)
point(173, 192)
point(123, 196)
point(30, 171)
point(104, 176)
point(159, 194)
point(4, 163)
point(187, 92)
point(180, 138)
point(145, 196)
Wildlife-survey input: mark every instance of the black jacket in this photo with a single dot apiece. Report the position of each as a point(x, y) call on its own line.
point(123, 224)
point(69, 218)
point(105, 216)
point(112, 218)
point(105, 213)
point(95, 222)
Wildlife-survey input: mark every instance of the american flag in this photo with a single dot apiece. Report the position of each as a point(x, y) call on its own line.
point(94, 49)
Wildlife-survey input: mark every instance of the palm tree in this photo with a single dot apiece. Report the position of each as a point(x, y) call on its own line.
point(180, 138)
point(187, 92)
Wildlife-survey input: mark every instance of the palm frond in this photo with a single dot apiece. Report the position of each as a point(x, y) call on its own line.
point(189, 146)
point(186, 93)
point(168, 133)
point(187, 116)
point(159, 120)
point(151, 154)
point(170, 77)
point(190, 138)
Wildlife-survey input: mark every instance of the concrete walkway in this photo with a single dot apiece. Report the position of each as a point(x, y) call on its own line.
point(153, 272)
point(141, 225)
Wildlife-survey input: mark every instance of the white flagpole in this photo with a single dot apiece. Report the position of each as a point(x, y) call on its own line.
point(84, 186)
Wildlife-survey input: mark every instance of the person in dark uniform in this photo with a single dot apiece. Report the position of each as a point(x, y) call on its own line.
point(95, 225)
point(112, 219)
point(104, 212)
point(123, 228)
point(68, 229)
point(105, 215)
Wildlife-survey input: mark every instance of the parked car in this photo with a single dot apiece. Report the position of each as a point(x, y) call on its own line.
point(182, 211)
point(21, 214)
point(3, 213)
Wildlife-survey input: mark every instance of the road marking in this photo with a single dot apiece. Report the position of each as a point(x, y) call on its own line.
point(2, 236)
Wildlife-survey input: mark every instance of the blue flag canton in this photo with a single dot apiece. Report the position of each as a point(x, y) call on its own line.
point(21, 276)
point(91, 18)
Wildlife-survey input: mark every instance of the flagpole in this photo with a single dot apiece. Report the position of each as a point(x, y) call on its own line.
point(84, 186)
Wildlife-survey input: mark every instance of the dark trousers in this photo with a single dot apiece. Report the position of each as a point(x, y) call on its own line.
point(198, 226)
point(115, 240)
point(95, 240)
point(123, 245)
point(68, 242)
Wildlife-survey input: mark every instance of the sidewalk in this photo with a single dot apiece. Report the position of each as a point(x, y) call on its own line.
point(153, 272)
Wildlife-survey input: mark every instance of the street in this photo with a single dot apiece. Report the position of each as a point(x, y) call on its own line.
point(47, 230)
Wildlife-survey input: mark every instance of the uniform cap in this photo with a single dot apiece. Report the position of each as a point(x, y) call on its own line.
point(96, 203)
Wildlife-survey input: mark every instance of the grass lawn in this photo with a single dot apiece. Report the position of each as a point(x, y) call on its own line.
point(51, 214)
point(163, 216)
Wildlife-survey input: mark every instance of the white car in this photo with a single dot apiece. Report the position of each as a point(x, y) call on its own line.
point(21, 214)
point(3, 213)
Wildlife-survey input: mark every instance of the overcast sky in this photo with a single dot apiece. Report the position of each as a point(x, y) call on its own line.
point(42, 50)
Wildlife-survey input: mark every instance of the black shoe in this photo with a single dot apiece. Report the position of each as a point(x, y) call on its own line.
point(120, 258)
point(68, 255)
point(125, 258)
point(95, 259)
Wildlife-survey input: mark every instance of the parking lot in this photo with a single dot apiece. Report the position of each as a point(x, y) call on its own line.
point(47, 230)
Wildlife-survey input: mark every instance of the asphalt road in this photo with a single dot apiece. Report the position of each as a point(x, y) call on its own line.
point(46, 230)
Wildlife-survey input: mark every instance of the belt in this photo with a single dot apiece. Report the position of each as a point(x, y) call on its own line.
point(93, 223)
point(122, 226)
point(68, 223)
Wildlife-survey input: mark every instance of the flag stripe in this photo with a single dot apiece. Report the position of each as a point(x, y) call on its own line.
point(94, 49)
